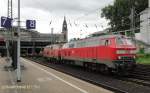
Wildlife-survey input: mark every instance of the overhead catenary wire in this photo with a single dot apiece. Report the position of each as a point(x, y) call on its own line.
point(70, 23)
point(73, 22)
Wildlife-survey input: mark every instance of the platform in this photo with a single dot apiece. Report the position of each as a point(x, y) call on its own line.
point(40, 79)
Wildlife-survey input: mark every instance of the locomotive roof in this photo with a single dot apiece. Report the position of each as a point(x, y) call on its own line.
point(104, 36)
point(85, 39)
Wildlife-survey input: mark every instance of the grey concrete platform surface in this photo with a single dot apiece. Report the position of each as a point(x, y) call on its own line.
point(40, 79)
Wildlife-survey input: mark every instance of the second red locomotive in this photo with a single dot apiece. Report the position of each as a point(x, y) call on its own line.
point(114, 53)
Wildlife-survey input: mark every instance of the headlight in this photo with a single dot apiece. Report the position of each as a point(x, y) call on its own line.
point(119, 57)
point(121, 52)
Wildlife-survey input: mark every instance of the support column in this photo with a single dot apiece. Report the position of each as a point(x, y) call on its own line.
point(149, 3)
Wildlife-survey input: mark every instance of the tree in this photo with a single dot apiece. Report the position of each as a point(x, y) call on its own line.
point(119, 13)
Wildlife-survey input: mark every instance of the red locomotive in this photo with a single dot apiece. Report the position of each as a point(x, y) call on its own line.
point(114, 53)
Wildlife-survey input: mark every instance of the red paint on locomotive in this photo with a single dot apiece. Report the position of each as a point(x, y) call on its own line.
point(111, 50)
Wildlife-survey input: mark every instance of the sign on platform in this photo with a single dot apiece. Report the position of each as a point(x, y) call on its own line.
point(6, 22)
point(31, 24)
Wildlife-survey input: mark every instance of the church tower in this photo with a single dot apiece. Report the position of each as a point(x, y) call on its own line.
point(65, 30)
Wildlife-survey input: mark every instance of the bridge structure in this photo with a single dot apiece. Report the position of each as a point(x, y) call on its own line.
point(31, 40)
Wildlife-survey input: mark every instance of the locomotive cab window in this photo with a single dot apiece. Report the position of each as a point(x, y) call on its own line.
point(124, 41)
point(107, 42)
point(120, 41)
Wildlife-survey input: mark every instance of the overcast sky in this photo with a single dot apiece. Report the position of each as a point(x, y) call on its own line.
point(81, 15)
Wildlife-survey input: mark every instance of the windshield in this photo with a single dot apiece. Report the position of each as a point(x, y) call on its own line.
point(129, 41)
point(124, 41)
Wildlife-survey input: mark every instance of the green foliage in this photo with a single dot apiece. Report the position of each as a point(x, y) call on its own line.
point(119, 13)
point(141, 51)
point(144, 59)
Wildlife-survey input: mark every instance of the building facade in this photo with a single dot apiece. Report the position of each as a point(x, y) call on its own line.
point(145, 25)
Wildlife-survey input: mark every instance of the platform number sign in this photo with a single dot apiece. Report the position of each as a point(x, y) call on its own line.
point(31, 24)
point(6, 22)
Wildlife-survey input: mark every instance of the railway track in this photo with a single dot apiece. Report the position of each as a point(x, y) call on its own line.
point(116, 90)
point(137, 81)
point(144, 66)
point(141, 76)
point(145, 73)
point(142, 72)
point(119, 87)
point(143, 69)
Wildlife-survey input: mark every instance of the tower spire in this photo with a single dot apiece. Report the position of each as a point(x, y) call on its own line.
point(64, 17)
point(65, 30)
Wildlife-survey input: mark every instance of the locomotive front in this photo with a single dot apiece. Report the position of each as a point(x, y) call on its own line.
point(125, 54)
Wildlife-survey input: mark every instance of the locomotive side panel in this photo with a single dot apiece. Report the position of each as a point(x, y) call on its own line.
point(102, 51)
